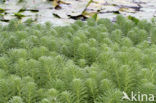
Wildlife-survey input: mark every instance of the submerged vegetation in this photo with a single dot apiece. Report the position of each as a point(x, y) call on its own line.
point(85, 62)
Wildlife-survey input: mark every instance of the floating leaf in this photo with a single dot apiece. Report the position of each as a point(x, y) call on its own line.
point(2, 10)
point(89, 14)
point(22, 10)
point(19, 15)
point(135, 20)
point(56, 4)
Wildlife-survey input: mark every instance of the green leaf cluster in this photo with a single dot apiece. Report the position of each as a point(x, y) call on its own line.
point(84, 62)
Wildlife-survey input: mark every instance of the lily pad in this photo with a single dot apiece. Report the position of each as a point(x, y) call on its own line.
point(67, 11)
point(2, 10)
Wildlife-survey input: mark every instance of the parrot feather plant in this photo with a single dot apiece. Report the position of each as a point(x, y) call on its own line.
point(84, 62)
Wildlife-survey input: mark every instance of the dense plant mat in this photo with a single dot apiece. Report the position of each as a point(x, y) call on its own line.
point(86, 62)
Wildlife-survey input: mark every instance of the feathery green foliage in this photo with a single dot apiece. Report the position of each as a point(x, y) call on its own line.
point(85, 62)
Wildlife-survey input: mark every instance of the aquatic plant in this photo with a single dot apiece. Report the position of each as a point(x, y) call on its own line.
point(85, 62)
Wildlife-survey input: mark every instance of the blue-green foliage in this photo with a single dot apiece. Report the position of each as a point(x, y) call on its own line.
point(85, 62)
